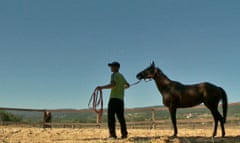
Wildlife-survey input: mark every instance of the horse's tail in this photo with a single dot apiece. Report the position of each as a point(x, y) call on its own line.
point(224, 104)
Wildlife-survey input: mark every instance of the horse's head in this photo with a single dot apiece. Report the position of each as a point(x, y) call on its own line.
point(148, 73)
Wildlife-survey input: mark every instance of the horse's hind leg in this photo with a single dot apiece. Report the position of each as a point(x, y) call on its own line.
point(215, 117)
point(222, 123)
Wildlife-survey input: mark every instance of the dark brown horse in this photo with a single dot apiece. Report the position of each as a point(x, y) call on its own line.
point(176, 95)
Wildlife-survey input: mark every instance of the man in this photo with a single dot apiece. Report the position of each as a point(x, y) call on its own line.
point(116, 102)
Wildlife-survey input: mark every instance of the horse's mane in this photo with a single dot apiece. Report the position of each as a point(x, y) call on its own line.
point(166, 77)
point(162, 73)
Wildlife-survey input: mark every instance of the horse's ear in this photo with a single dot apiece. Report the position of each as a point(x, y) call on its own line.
point(153, 64)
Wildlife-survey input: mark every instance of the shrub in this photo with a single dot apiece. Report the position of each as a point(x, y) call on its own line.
point(5, 116)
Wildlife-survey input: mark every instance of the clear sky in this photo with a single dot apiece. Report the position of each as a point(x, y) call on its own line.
point(53, 53)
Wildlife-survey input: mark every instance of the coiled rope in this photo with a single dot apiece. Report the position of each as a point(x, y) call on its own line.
point(96, 103)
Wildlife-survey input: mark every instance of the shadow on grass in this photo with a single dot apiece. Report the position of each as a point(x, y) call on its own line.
point(195, 139)
point(165, 139)
point(199, 139)
point(143, 139)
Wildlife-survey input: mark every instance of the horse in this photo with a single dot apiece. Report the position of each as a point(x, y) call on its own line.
point(177, 95)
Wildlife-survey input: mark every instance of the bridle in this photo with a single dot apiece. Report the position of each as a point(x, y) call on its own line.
point(150, 76)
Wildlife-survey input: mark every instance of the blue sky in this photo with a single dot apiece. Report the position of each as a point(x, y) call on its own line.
point(53, 53)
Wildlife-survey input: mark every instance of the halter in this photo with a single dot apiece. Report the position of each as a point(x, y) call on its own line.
point(151, 76)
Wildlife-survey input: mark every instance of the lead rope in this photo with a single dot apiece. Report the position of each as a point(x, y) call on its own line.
point(96, 103)
point(135, 83)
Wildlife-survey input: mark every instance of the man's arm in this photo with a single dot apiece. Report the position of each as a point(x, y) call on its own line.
point(108, 86)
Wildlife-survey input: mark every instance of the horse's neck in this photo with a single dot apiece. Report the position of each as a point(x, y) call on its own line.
point(162, 81)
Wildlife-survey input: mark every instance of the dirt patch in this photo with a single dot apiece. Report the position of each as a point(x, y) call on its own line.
point(92, 135)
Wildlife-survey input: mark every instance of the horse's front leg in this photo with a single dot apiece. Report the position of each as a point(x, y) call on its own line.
point(173, 111)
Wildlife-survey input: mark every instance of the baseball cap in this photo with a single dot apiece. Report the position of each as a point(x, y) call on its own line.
point(115, 64)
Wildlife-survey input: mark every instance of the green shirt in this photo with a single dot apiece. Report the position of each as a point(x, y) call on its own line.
point(118, 90)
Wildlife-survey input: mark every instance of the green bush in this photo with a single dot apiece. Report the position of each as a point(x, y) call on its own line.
point(5, 116)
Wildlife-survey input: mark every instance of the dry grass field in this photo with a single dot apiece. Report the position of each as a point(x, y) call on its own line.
point(93, 135)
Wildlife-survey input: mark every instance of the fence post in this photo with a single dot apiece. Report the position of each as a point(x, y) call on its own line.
point(153, 119)
point(43, 122)
point(97, 120)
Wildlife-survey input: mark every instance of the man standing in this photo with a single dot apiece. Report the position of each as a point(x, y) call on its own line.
point(116, 102)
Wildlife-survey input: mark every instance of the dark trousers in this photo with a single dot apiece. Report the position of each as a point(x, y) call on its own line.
point(116, 106)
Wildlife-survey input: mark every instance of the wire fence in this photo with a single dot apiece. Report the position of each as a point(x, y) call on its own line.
point(150, 121)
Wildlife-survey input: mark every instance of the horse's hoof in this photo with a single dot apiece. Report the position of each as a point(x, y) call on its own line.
point(214, 134)
point(172, 137)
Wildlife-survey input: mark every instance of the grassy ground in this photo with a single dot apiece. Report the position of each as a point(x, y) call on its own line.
point(92, 135)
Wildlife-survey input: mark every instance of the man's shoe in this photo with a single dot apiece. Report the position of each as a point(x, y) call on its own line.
point(112, 138)
point(124, 136)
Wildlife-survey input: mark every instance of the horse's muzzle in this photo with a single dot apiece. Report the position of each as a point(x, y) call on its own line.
point(139, 76)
